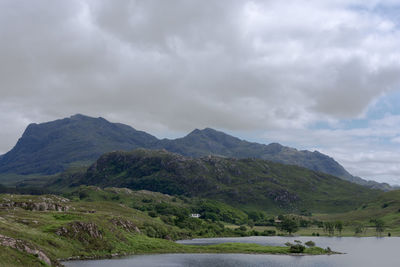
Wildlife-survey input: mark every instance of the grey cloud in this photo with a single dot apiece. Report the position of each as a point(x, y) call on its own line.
point(171, 66)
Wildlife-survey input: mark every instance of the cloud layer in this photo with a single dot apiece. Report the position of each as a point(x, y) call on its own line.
point(170, 66)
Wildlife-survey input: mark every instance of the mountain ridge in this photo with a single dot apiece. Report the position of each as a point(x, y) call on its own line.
point(50, 147)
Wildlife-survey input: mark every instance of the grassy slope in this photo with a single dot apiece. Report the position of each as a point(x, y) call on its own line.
point(246, 183)
point(39, 228)
point(386, 207)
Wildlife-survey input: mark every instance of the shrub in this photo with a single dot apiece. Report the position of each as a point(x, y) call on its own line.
point(310, 244)
point(83, 195)
point(152, 214)
point(295, 248)
point(243, 228)
point(298, 248)
point(268, 233)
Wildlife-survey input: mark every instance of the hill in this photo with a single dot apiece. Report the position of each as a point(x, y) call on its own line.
point(52, 147)
point(246, 183)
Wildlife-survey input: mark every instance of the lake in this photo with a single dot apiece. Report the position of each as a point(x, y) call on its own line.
point(365, 252)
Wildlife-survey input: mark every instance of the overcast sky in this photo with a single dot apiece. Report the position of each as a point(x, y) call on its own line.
point(314, 74)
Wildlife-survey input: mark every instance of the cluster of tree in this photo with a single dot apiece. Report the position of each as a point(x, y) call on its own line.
point(330, 227)
point(217, 211)
point(288, 224)
point(379, 226)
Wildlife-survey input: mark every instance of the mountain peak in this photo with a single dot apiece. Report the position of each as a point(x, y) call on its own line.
point(205, 130)
point(50, 147)
point(78, 116)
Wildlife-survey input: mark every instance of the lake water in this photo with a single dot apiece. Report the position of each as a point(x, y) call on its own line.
point(360, 252)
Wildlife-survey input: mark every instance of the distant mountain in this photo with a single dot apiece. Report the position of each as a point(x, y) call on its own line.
point(49, 148)
point(208, 141)
point(200, 143)
point(252, 183)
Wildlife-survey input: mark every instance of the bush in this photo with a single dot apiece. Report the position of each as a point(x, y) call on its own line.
point(295, 248)
point(83, 195)
point(310, 244)
point(152, 214)
point(268, 233)
point(243, 228)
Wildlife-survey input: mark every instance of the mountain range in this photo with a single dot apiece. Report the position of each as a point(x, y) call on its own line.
point(51, 147)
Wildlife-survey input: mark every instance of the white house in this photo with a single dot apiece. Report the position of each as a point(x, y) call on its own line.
point(195, 215)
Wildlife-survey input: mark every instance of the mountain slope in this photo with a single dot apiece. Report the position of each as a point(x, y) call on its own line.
point(47, 148)
point(240, 182)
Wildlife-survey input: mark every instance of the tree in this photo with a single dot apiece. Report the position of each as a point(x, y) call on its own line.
point(379, 226)
point(339, 226)
point(288, 225)
point(251, 224)
point(329, 227)
point(359, 229)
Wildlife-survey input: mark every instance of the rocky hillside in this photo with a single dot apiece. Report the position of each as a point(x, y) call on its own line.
point(254, 183)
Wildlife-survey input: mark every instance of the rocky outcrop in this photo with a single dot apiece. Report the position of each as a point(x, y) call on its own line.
point(125, 224)
point(25, 247)
point(41, 204)
point(82, 231)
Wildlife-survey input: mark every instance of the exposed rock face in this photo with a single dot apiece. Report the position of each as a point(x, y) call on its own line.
point(25, 247)
point(82, 231)
point(125, 224)
point(43, 204)
point(283, 197)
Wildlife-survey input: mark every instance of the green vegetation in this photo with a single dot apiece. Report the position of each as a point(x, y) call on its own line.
point(247, 184)
point(96, 223)
point(289, 225)
point(376, 217)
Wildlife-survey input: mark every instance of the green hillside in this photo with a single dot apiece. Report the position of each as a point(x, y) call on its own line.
point(90, 223)
point(244, 183)
point(386, 207)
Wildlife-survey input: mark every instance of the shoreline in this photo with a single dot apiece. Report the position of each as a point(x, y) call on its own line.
point(222, 248)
